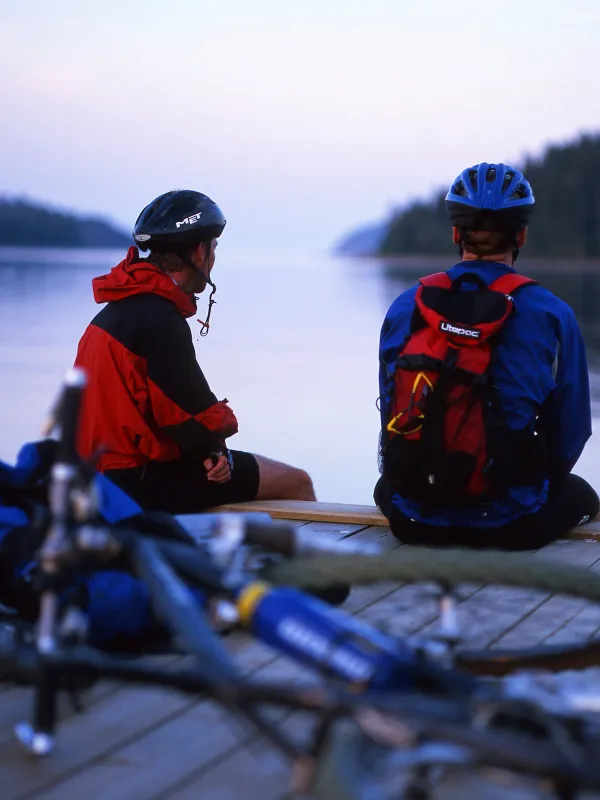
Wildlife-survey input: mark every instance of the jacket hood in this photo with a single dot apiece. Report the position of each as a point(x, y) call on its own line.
point(133, 276)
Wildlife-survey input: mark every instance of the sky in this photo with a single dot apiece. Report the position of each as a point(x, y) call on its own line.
point(302, 120)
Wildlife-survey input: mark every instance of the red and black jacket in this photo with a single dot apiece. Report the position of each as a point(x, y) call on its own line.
point(147, 398)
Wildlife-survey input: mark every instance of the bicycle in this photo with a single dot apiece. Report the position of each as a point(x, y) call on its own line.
point(405, 708)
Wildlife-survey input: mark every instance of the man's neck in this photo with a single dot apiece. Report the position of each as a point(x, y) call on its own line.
point(499, 258)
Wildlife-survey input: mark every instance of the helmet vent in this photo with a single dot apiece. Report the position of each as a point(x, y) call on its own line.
point(507, 180)
point(459, 188)
point(473, 178)
point(519, 193)
point(491, 175)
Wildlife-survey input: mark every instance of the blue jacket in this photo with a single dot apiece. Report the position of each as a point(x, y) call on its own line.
point(540, 360)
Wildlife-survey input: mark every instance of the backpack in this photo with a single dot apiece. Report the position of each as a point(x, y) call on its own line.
point(445, 443)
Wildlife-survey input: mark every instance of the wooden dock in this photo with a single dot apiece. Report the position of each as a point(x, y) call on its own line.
point(151, 744)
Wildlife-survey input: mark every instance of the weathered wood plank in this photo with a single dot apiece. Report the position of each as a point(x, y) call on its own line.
point(576, 553)
point(251, 772)
point(557, 611)
point(337, 529)
point(153, 762)
point(190, 743)
point(359, 514)
point(17, 703)
point(310, 510)
point(255, 761)
point(483, 611)
point(115, 722)
point(378, 535)
point(492, 611)
point(111, 723)
point(582, 626)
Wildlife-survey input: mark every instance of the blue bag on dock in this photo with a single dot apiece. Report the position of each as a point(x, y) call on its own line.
point(117, 604)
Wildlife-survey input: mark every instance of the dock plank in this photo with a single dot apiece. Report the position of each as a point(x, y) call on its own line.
point(112, 723)
point(555, 614)
point(311, 510)
point(248, 773)
point(343, 512)
point(493, 611)
point(147, 766)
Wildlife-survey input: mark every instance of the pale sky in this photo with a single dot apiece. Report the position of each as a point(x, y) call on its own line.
point(301, 119)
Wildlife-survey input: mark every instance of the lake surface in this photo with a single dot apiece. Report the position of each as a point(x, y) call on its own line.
point(293, 346)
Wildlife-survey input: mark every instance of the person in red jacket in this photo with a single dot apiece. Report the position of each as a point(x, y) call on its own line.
point(149, 418)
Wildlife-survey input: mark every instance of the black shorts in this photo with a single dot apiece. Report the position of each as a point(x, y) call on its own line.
point(568, 505)
point(181, 486)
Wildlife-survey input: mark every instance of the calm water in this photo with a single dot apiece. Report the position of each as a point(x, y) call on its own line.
point(293, 347)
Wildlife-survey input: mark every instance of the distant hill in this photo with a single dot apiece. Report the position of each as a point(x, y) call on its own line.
point(28, 224)
point(363, 242)
point(566, 222)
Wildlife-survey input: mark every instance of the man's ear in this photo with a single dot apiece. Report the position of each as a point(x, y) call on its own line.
point(455, 235)
point(521, 237)
point(199, 253)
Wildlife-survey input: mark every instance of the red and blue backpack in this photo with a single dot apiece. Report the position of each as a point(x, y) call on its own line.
point(445, 442)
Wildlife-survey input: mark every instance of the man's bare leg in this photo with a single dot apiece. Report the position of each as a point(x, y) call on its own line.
point(280, 481)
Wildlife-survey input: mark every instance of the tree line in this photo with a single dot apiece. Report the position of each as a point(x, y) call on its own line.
point(23, 223)
point(566, 222)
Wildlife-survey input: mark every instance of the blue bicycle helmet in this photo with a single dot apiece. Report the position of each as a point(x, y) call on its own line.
point(490, 197)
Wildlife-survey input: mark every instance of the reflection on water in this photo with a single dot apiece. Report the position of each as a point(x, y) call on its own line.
point(293, 347)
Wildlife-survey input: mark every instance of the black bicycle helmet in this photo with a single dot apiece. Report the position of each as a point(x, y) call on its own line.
point(490, 197)
point(178, 221)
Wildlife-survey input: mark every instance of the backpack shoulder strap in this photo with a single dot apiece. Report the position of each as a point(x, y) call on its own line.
point(509, 283)
point(439, 279)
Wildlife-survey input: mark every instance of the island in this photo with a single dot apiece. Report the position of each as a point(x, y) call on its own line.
point(24, 223)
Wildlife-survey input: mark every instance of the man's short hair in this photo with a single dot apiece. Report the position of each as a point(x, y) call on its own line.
point(486, 243)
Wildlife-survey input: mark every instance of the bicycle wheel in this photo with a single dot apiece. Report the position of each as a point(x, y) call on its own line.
point(453, 567)
point(551, 658)
point(448, 567)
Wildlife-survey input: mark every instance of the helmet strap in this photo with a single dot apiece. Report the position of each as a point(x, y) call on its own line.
point(187, 260)
point(206, 325)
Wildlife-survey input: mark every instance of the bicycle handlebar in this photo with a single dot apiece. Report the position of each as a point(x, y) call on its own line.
point(69, 408)
point(281, 537)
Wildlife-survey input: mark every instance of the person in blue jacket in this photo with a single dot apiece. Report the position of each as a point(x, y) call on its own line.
point(539, 372)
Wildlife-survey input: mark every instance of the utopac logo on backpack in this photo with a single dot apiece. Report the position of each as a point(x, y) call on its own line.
point(445, 442)
point(448, 327)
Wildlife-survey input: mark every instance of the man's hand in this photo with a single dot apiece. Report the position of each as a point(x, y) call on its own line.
point(218, 472)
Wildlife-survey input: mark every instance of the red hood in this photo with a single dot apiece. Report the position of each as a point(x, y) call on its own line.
point(133, 276)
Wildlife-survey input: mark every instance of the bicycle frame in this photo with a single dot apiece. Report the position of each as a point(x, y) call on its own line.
point(385, 677)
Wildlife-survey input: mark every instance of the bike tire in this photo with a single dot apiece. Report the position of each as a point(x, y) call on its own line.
point(447, 567)
point(549, 658)
point(455, 566)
